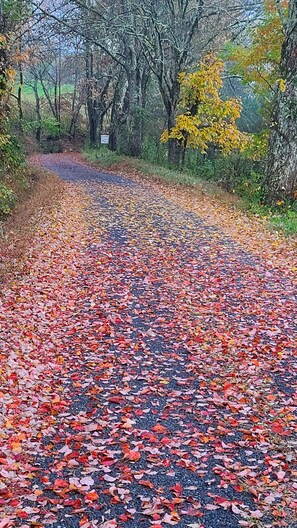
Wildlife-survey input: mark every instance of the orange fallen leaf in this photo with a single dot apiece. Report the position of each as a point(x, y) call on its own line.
point(132, 455)
point(92, 496)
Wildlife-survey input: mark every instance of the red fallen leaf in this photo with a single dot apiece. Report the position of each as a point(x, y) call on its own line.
point(165, 440)
point(149, 436)
point(22, 514)
point(75, 503)
point(14, 502)
point(92, 496)
point(222, 501)
point(156, 516)
point(177, 489)
point(125, 517)
point(60, 483)
point(132, 455)
point(107, 461)
point(277, 428)
point(115, 399)
point(193, 512)
point(253, 491)
point(146, 483)
point(159, 428)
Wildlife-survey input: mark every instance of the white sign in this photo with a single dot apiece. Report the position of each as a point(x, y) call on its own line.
point(104, 139)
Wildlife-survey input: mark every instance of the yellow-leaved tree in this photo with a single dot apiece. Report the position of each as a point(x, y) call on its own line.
point(205, 118)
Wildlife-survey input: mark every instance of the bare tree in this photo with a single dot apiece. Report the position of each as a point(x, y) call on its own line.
point(152, 37)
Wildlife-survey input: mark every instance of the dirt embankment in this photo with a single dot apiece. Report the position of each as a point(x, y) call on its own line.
point(44, 190)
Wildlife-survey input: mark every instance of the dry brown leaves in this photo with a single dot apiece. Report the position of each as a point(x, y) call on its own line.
point(18, 230)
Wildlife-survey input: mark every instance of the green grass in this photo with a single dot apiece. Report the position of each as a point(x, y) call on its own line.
point(167, 174)
point(28, 93)
point(282, 219)
point(286, 223)
point(103, 156)
point(245, 193)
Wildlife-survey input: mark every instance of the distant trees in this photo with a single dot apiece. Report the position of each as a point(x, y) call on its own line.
point(7, 72)
point(175, 35)
point(256, 58)
point(144, 39)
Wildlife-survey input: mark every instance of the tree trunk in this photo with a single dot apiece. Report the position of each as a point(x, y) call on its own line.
point(183, 154)
point(113, 136)
point(37, 109)
point(174, 146)
point(74, 120)
point(20, 93)
point(132, 146)
point(75, 108)
point(170, 100)
point(174, 153)
point(5, 65)
point(93, 126)
point(281, 176)
point(91, 110)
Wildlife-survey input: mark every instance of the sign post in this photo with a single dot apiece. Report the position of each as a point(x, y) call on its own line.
point(104, 139)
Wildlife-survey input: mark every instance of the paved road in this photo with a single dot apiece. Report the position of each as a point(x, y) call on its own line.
point(182, 374)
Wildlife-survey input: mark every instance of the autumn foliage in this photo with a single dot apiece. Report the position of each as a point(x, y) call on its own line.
point(205, 118)
point(258, 63)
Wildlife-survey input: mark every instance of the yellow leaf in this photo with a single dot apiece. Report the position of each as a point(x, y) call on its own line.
point(282, 85)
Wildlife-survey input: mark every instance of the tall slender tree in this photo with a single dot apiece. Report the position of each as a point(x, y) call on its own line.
point(281, 173)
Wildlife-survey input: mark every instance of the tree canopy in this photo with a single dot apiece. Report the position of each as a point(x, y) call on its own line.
point(129, 69)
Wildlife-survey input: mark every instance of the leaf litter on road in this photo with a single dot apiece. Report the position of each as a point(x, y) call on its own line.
point(148, 372)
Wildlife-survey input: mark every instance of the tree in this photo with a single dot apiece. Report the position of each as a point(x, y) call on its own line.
point(177, 33)
point(257, 58)
point(151, 37)
point(106, 26)
point(12, 16)
point(98, 82)
point(281, 173)
point(268, 63)
point(205, 118)
point(7, 71)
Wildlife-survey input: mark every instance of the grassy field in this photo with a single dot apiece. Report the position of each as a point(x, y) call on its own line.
point(28, 93)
